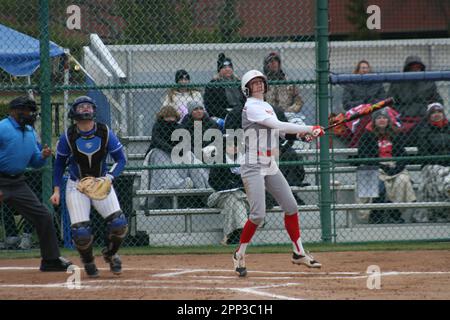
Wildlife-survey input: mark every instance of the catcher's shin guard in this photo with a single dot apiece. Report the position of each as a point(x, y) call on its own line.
point(117, 226)
point(83, 238)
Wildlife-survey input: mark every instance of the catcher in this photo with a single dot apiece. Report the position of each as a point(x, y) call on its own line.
point(84, 147)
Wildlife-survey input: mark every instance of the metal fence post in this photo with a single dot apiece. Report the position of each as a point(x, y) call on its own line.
point(322, 66)
point(45, 91)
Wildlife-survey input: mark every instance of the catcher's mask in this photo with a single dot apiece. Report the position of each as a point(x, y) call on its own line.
point(75, 115)
point(26, 109)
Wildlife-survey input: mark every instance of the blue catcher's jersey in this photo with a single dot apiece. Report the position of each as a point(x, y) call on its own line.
point(86, 152)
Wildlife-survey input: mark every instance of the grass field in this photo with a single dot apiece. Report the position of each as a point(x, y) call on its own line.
point(313, 247)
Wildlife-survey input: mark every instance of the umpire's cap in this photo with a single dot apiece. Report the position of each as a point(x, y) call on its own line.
point(23, 102)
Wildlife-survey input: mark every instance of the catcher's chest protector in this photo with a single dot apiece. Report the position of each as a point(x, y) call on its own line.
point(89, 151)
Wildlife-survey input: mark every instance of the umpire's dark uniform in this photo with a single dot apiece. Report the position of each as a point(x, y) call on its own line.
point(18, 150)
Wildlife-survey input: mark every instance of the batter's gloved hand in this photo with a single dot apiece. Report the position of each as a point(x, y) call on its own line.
point(95, 188)
point(317, 131)
point(305, 137)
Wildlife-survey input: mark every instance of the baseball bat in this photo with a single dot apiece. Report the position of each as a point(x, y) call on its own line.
point(366, 111)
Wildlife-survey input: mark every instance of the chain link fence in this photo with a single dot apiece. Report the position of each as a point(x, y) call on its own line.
point(156, 66)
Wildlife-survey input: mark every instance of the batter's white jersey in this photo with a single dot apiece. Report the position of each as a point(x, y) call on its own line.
point(261, 142)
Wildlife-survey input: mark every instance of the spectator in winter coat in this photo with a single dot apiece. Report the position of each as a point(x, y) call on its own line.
point(395, 182)
point(219, 100)
point(433, 140)
point(160, 153)
point(356, 94)
point(229, 196)
point(412, 99)
point(179, 97)
point(285, 97)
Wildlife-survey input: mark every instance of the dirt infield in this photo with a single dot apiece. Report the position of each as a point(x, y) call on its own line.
point(404, 275)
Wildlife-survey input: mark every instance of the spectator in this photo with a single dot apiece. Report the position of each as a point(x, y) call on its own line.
point(229, 196)
point(159, 153)
point(12, 239)
point(356, 94)
point(219, 100)
point(197, 117)
point(395, 183)
point(285, 97)
point(434, 139)
point(412, 99)
point(179, 97)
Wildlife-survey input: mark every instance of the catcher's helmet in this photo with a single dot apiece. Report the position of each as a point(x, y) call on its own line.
point(73, 114)
point(250, 75)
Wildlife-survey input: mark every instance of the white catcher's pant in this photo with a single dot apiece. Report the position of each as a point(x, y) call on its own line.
point(79, 205)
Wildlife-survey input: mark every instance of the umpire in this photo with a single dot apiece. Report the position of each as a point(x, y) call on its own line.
point(18, 150)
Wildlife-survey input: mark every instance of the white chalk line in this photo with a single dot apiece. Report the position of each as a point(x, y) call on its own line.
point(119, 284)
point(251, 290)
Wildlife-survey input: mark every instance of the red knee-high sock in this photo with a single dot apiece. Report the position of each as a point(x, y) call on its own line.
point(246, 236)
point(248, 231)
point(293, 229)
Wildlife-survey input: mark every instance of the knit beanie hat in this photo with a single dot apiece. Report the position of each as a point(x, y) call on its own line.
point(223, 61)
point(181, 74)
point(382, 112)
point(435, 106)
point(191, 105)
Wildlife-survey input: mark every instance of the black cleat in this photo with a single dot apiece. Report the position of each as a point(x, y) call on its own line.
point(115, 263)
point(239, 265)
point(55, 265)
point(91, 270)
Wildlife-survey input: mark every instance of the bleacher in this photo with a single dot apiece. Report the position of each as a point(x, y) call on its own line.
point(168, 226)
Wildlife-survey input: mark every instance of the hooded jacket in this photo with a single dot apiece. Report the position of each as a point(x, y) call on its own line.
point(356, 94)
point(188, 123)
point(433, 140)
point(413, 97)
point(218, 99)
point(286, 97)
point(161, 135)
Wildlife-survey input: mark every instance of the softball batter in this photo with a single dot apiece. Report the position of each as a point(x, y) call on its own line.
point(260, 171)
point(84, 146)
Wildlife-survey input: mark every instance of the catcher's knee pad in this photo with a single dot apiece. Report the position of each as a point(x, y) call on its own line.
point(117, 225)
point(82, 235)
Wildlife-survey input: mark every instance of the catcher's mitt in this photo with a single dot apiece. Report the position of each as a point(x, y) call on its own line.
point(95, 188)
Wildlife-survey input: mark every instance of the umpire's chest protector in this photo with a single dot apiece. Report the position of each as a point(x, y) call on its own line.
point(89, 151)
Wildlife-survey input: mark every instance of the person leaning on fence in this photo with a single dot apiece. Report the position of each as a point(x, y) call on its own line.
point(285, 97)
point(380, 140)
point(18, 150)
point(412, 99)
point(160, 153)
point(434, 140)
point(229, 195)
point(356, 94)
point(219, 100)
point(83, 148)
point(181, 96)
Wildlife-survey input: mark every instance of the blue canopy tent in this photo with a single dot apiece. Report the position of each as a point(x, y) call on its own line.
point(20, 57)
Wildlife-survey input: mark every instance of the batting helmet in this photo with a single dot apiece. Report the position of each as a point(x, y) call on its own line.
point(250, 75)
point(73, 114)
